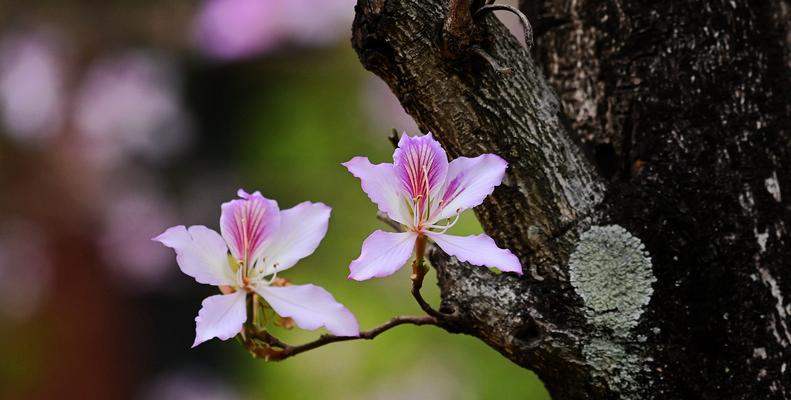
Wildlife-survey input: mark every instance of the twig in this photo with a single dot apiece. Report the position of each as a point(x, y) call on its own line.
point(262, 344)
point(522, 19)
point(477, 50)
point(276, 350)
point(384, 218)
point(427, 307)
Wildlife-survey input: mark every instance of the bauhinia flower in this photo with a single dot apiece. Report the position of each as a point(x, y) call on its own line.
point(262, 241)
point(426, 194)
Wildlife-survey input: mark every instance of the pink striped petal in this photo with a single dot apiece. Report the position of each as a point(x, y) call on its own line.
point(200, 253)
point(383, 253)
point(469, 181)
point(421, 166)
point(247, 223)
point(302, 228)
point(478, 250)
point(381, 184)
point(311, 307)
point(220, 316)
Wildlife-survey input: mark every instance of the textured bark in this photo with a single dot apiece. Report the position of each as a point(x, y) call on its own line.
point(684, 108)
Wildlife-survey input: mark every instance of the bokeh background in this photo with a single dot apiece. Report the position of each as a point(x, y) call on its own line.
point(119, 119)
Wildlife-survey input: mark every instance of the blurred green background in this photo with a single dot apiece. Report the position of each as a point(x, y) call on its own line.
point(120, 119)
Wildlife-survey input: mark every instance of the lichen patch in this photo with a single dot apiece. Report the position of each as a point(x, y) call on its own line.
point(611, 270)
point(611, 362)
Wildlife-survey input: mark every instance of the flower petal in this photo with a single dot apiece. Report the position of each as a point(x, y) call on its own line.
point(469, 181)
point(200, 253)
point(311, 307)
point(383, 253)
point(381, 184)
point(301, 229)
point(220, 316)
point(247, 223)
point(478, 250)
point(421, 166)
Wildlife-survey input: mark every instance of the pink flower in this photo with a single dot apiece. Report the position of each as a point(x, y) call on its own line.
point(262, 241)
point(421, 190)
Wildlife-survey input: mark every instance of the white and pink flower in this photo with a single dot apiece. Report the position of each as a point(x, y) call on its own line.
point(421, 191)
point(262, 241)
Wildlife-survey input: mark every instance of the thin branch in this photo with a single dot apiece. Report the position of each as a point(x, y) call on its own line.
point(477, 50)
point(522, 19)
point(389, 222)
point(276, 350)
point(262, 344)
point(427, 307)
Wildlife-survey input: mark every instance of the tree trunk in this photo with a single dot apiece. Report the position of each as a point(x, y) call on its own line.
point(648, 200)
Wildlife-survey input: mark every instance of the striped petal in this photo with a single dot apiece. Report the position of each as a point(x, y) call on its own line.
point(247, 223)
point(421, 166)
point(469, 181)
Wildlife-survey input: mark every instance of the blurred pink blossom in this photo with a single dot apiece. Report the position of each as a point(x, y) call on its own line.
point(31, 86)
point(129, 105)
point(189, 384)
point(130, 219)
point(236, 29)
point(230, 29)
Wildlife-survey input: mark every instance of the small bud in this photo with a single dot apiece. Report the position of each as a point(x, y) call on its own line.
point(280, 282)
point(285, 322)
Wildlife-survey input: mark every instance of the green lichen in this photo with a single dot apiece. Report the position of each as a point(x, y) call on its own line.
point(619, 368)
point(611, 271)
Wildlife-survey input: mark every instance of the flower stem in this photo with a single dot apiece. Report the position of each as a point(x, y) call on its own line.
point(419, 268)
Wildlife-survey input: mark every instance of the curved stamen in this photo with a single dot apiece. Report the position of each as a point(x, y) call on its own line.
point(444, 228)
point(274, 276)
point(240, 277)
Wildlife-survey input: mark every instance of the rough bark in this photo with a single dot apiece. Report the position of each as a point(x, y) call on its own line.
point(658, 269)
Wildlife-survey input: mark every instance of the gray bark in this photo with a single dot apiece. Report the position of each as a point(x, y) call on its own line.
point(655, 268)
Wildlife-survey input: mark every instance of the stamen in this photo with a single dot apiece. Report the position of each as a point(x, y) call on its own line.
point(240, 276)
point(259, 266)
point(427, 209)
point(444, 228)
point(243, 268)
point(274, 275)
point(426, 192)
point(416, 219)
